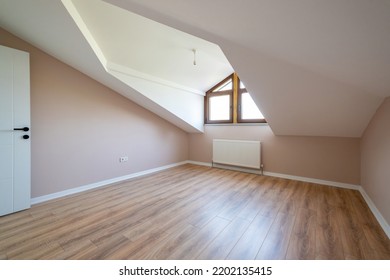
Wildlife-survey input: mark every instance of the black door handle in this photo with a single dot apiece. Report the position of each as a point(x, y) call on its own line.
point(26, 137)
point(22, 128)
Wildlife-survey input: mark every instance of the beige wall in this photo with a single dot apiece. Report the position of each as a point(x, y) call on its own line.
point(80, 128)
point(375, 163)
point(327, 158)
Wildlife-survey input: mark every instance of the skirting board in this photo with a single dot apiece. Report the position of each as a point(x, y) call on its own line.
point(312, 180)
point(44, 198)
point(381, 220)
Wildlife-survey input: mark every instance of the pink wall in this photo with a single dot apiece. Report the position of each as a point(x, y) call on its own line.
point(327, 158)
point(375, 163)
point(80, 128)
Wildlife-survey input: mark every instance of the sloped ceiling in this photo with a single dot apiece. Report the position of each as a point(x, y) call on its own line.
point(151, 49)
point(316, 68)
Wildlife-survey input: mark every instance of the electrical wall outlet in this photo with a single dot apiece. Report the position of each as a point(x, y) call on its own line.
point(124, 159)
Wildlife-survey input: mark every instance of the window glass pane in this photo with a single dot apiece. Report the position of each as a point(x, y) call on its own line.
point(219, 108)
point(249, 110)
point(228, 85)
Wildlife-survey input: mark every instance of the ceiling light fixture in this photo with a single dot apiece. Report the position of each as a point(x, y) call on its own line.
point(194, 51)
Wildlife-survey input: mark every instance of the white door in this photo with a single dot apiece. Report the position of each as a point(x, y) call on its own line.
point(15, 159)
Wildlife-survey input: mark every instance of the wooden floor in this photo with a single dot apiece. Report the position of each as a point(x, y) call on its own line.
point(193, 212)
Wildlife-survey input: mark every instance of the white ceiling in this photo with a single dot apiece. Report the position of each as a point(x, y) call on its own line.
point(152, 48)
point(314, 67)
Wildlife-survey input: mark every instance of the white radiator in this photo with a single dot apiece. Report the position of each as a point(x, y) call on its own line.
point(239, 153)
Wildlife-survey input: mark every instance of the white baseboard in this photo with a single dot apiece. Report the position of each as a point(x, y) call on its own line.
point(44, 198)
point(241, 169)
point(381, 220)
point(199, 163)
point(314, 181)
point(229, 167)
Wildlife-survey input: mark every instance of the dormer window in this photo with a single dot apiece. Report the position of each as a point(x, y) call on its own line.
point(230, 102)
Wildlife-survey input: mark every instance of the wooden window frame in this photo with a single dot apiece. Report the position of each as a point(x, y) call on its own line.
point(235, 102)
point(210, 94)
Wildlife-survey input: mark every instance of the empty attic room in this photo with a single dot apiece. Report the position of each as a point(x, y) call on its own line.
point(156, 130)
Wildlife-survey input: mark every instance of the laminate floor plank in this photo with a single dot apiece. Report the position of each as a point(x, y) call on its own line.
point(190, 249)
point(231, 210)
point(293, 202)
point(354, 242)
point(255, 201)
point(377, 240)
point(302, 245)
point(104, 249)
point(276, 242)
point(328, 238)
point(311, 196)
point(221, 246)
point(249, 244)
point(138, 249)
point(28, 234)
point(34, 251)
point(173, 241)
point(14, 222)
point(72, 249)
point(9, 232)
point(162, 244)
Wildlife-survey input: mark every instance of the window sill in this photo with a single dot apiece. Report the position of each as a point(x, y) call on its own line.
point(236, 124)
